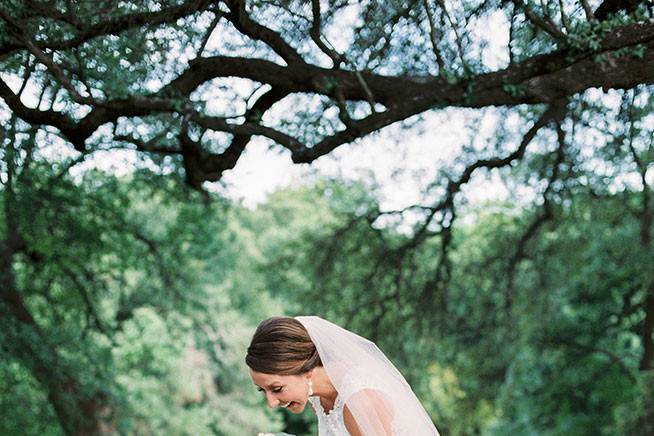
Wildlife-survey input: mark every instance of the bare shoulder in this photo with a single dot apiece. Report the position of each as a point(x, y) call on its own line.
point(350, 422)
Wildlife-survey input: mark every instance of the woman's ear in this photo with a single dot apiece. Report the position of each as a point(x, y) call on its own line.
point(309, 373)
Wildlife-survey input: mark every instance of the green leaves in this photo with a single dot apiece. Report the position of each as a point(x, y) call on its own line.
point(515, 90)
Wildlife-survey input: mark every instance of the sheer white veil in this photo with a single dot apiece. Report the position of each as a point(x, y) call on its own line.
point(374, 391)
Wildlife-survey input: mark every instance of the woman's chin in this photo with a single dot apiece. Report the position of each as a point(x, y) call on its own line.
point(295, 407)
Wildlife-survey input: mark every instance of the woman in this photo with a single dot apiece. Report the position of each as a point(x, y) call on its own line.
point(352, 387)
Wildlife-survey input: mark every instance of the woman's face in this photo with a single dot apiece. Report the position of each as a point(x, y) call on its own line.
point(288, 391)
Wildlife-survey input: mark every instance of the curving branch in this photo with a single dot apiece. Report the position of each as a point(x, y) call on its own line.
point(435, 289)
point(239, 17)
point(615, 359)
point(316, 35)
point(540, 79)
point(553, 113)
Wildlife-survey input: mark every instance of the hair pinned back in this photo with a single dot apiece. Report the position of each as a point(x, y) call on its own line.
point(281, 345)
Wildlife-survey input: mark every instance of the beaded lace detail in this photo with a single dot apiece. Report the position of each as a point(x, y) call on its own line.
point(330, 423)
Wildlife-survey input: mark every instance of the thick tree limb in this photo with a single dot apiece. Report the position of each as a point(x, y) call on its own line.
point(210, 167)
point(545, 78)
point(541, 79)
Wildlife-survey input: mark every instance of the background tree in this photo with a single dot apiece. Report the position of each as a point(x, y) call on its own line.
point(90, 264)
point(116, 303)
point(110, 69)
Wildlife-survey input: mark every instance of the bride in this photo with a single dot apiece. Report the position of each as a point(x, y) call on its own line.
point(349, 383)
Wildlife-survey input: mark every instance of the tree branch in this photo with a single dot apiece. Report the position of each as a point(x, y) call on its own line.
point(553, 113)
point(609, 7)
point(587, 10)
point(115, 25)
point(242, 21)
point(613, 357)
point(432, 37)
point(150, 145)
point(50, 64)
point(544, 24)
point(545, 215)
point(316, 35)
point(457, 38)
point(540, 79)
point(207, 34)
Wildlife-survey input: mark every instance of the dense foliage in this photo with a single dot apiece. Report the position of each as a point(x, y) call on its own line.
point(128, 297)
point(144, 296)
point(124, 300)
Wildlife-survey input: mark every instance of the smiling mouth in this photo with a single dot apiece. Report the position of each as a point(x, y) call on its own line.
point(286, 404)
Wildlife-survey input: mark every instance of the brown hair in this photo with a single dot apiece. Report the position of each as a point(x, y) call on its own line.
point(281, 345)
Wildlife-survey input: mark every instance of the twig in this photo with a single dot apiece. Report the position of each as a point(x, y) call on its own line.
point(588, 10)
point(459, 44)
point(217, 16)
point(541, 219)
point(432, 36)
point(149, 146)
point(26, 75)
point(45, 60)
point(315, 33)
point(539, 22)
point(564, 17)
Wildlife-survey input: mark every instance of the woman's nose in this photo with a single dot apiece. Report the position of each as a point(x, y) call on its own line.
point(272, 401)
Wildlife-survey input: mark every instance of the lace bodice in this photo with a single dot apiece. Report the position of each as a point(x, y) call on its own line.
point(332, 423)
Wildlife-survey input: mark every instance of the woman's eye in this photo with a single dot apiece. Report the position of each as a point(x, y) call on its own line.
point(276, 390)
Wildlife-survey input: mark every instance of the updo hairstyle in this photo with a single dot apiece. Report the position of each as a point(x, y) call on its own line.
point(281, 345)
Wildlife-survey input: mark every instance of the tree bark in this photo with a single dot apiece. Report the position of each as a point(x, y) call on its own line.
point(648, 329)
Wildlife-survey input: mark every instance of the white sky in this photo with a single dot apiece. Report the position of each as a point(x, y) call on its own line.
point(403, 170)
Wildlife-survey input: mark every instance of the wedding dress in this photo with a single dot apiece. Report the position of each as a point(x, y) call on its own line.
point(367, 382)
point(331, 423)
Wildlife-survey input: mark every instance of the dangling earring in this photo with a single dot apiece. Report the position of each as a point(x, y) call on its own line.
point(310, 388)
